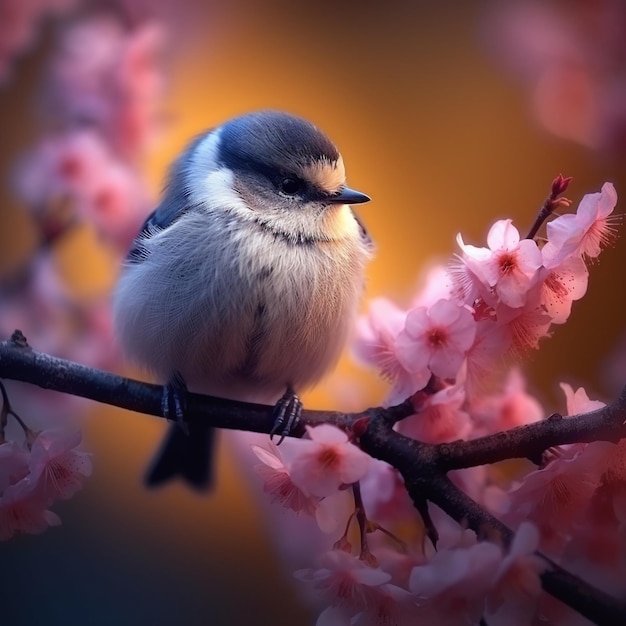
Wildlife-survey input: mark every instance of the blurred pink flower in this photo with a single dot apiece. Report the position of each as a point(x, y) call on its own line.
point(570, 57)
point(56, 468)
point(13, 464)
point(109, 76)
point(376, 334)
point(437, 285)
point(484, 363)
point(435, 341)
point(19, 20)
point(78, 169)
point(455, 583)
point(327, 461)
point(556, 496)
point(514, 406)
point(442, 418)
point(23, 509)
point(347, 586)
point(518, 585)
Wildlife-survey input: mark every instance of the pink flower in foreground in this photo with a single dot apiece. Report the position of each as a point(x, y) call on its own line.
point(442, 418)
point(512, 598)
point(455, 582)
point(277, 481)
point(56, 468)
point(507, 270)
point(326, 461)
point(348, 587)
point(435, 340)
point(376, 335)
point(585, 232)
point(23, 510)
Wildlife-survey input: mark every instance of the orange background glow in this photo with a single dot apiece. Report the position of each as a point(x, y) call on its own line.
point(443, 142)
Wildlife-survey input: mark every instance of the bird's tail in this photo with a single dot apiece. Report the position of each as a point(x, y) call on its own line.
point(185, 454)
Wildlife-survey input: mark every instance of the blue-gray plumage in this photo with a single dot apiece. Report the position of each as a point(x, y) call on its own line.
point(246, 279)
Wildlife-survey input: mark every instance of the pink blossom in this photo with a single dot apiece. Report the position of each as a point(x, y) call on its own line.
point(385, 495)
point(442, 418)
point(435, 341)
point(518, 585)
point(586, 232)
point(525, 326)
point(514, 406)
point(347, 586)
point(455, 583)
point(277, 481)
point(555, 497)
point(507, 270)
point(345, 580)
point(13, 464)
point(578, 401)
point(561, 285)
point(334, 511)
point(56, 468)
point(437, 285)
point(327, 461)
point(376, 334)
point(23, 510)
point(484, 362)
point(598, 541)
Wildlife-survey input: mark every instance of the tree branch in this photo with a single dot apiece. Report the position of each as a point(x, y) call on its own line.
point(423, 466)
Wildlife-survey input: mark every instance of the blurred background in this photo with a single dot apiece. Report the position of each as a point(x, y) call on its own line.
point(449, 115)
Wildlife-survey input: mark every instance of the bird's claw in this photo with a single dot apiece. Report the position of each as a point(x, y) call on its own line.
point(174, 401)
point(286, 415)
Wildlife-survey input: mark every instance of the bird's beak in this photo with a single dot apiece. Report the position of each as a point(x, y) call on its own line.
point(349, 196)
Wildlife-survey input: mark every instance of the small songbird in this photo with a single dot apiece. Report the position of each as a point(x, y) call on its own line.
point(245, 281)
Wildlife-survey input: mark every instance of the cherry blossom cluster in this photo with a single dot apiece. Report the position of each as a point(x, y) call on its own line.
point(455, 352)
point(45, 466)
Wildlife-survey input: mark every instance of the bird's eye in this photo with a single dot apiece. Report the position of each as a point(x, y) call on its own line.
point(290, 186)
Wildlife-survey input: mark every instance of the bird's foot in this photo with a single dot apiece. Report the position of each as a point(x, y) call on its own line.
point(286, 415)
point(174, 401)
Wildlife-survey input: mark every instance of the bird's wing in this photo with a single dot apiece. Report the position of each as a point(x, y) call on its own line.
point(174, 205)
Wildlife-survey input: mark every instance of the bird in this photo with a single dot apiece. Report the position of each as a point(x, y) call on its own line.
point(245, 281)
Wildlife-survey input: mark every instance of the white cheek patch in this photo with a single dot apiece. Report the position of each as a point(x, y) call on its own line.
point(217, 192)
point(327, 175)
point(209, 184)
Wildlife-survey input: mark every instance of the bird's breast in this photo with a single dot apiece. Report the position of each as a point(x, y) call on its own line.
point(240, 313)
